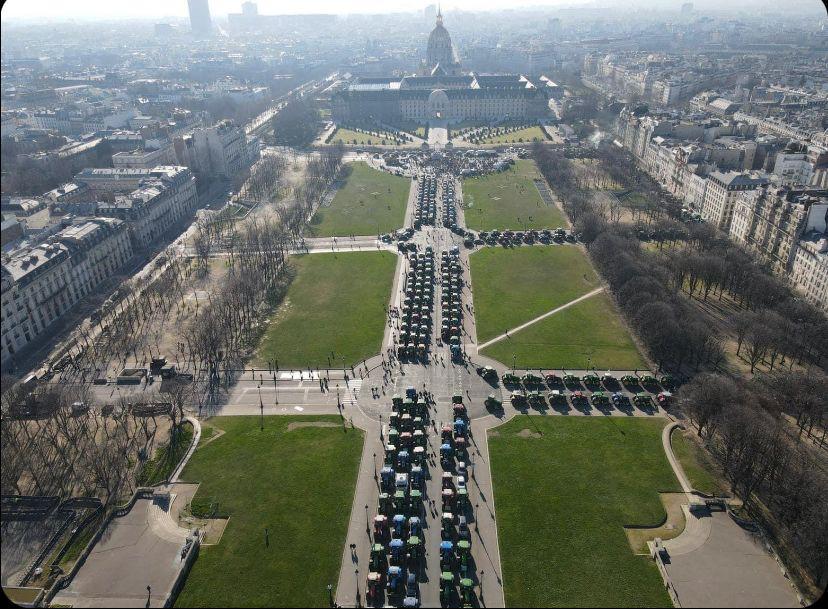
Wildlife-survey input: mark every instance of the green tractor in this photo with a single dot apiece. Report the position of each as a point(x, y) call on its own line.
point(466, 592)
point(642, 400)
point(591, 380)
point(446, 588)
point(531, 379)
point(510, 379)
point(493, 401)
point(599, 398)
point(648, 379)
point(377, 558)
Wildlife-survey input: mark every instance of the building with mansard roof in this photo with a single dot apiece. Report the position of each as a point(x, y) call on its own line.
point(442, 92)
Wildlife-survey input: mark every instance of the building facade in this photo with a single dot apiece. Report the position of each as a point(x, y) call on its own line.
point(442, 92)
point(721, 193)
point(41, 283)
point(769, 222)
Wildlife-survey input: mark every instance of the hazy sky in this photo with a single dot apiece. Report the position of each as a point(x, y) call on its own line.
point(158, 9)
point(152, 9)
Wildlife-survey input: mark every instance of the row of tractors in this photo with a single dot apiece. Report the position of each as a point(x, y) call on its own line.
point(451, 277)
point(397, 550)
point(415, 311)
point(426, 209)
point(449, 209)
point(456, 566)
point(606, 391)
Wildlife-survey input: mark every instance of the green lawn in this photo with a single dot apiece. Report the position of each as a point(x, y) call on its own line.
point(508, 200)
point(512, 286)
point(336, 303)
point(349, 136)
point(527, 134)
point(298, 484)
point(370, 202)
point(587, 334)
point(562, 500)
point(696, 464)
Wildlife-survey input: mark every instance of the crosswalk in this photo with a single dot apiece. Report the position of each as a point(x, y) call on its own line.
point(351, 396)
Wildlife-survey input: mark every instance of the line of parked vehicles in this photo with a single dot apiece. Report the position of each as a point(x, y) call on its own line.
point(426, 209)
point(509, 238)
point(456, 565)
point(396, 553)
point(451, 281)
point(415, 311)
point(642, 391)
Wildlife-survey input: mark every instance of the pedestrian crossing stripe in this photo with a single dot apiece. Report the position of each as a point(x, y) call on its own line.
point(352, 392)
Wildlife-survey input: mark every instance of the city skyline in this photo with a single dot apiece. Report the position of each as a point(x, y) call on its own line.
point(91, 10)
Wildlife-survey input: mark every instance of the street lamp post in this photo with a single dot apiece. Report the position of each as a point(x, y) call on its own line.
point(330, 595)
point(261, 407)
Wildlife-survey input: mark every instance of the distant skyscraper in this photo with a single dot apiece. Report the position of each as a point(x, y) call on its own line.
point(430, 12)
point(200, 22)
point(687, 8)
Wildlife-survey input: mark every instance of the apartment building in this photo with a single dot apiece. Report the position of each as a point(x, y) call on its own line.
point(222, 150)
point(809, 274)
point(40, 284)
point(144, 159)
point(162, 199)
point(769, 222)
point(721, 193)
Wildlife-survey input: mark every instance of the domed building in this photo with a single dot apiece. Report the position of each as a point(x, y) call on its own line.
point(442, 92)
point(441, 58)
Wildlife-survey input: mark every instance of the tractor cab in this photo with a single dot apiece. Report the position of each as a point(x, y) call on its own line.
point(460, 427)
point(384, 504)
point(380, 526)
point(467, 592)
point(493, 401)
point(415, 526)
point(446, 588)
point(387, 477)
point(396, 550)
point(417, 477)
point(419, 455)
point(395, 584)
point(446, 555)
point(377, 562)
point(445, 433)
point(373, 589)
point(403, 460)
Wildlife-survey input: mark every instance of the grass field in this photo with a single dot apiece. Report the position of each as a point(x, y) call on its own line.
point(297, 483)
point(587, 334)
point(527, 134)
point(508, 200)
point(512, 286)
point(696, 464)
point(336, 304)
point(370, 202)
point(348, 136)
point(562, 500)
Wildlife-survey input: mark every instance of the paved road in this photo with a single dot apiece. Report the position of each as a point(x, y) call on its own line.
point(437, 134)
